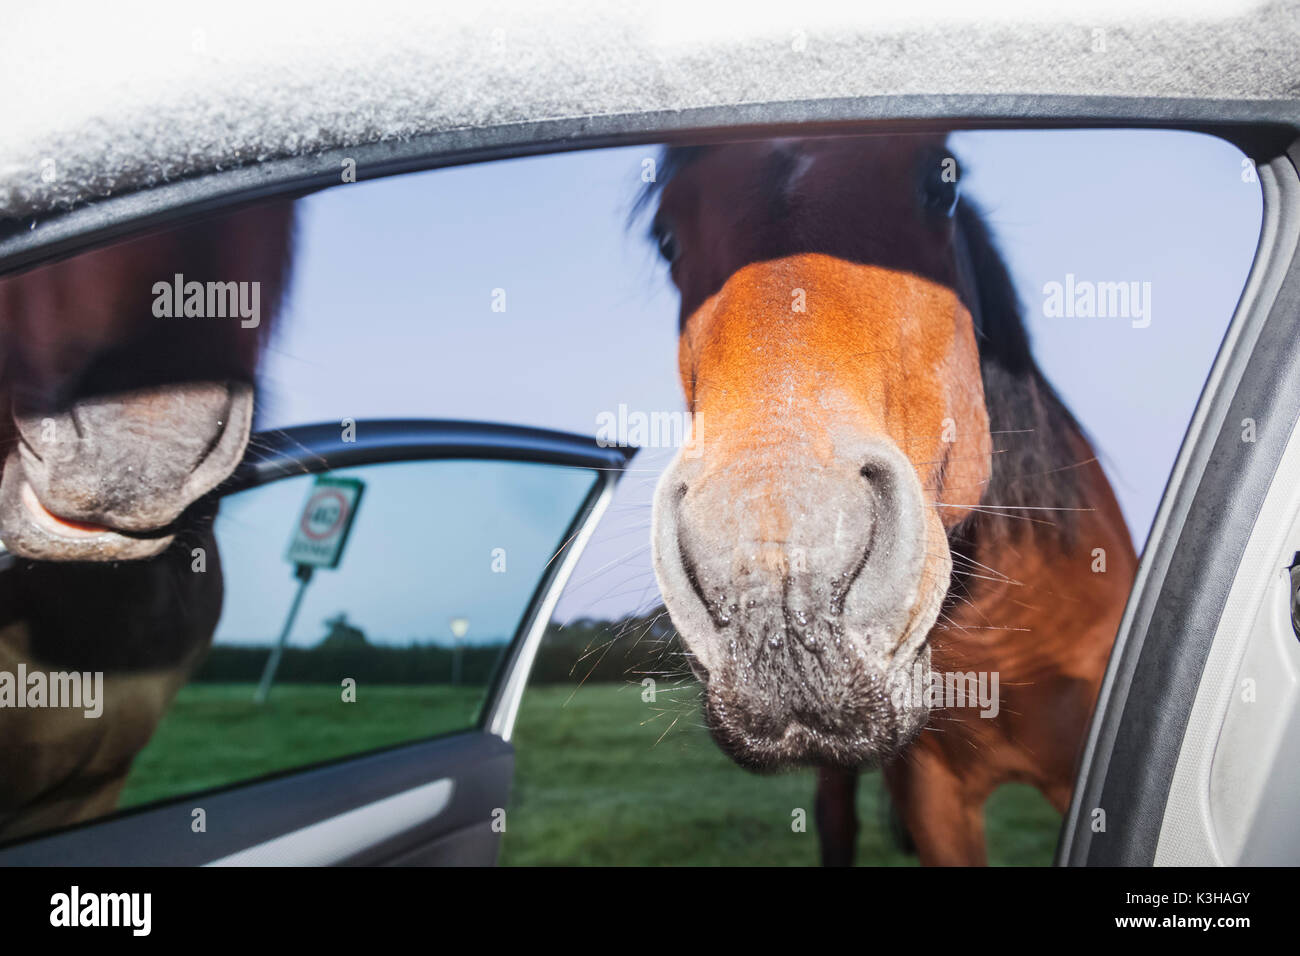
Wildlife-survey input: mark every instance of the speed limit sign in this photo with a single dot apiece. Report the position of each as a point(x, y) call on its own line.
point(326, 518)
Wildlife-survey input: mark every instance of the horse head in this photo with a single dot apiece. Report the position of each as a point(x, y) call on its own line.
point(128, 398)
point(828, 356)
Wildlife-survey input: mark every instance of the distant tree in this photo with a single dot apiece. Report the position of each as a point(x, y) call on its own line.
point(342, 635)
point(624, 650)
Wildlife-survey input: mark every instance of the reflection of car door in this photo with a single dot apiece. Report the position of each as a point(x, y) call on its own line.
point(390, 671)
point(1191, 755)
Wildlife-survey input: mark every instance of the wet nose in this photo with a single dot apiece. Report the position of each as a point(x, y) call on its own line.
point(776, 554)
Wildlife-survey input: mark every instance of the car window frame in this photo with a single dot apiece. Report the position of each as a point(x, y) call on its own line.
point(1134, 780)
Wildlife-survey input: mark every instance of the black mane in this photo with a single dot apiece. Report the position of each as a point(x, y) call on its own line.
point(1035, 459)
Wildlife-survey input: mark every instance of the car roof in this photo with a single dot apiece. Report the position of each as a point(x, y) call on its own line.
point(123, 102)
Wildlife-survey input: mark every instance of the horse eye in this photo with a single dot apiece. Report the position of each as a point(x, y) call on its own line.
point(667, 243)
point(941, 186)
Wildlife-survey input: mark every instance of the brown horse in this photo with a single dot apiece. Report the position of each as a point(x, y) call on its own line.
point(117, 417)
point(882, 496)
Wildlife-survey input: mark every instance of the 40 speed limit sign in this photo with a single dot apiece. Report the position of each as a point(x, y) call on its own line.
point(326, 518)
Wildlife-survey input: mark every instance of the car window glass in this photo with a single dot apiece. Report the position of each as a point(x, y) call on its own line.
point(401, 641)
point(537, 291)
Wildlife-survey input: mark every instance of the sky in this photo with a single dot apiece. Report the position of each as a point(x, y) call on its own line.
point(393, 580)
point(390, 313)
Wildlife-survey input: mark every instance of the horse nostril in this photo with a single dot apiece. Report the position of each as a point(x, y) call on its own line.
point(680, 491)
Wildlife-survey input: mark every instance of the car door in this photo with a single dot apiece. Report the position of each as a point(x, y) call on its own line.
point(1191, 757)
point(447, 524)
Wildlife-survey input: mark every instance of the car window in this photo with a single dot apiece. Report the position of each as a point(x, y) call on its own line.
point(400, 641)
point(572, 291)
point(1126, 252)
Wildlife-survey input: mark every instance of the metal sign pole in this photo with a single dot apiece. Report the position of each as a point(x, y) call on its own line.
point(303, 573)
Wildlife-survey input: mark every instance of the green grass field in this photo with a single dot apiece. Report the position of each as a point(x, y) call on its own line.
point(594, 784)
point(594, 781)
point(214, 734)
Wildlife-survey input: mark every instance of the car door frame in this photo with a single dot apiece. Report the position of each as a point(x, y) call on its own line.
point(428, 801)
point(1212, 498)
point(1195, 550)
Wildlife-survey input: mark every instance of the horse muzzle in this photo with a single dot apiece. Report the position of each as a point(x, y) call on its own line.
point(804, 589)
point(107, 478)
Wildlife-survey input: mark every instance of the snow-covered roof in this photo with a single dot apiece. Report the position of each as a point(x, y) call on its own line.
point(105, 98)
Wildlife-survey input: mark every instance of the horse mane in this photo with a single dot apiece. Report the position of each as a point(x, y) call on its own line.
point(672, 160)
point(1036, 440)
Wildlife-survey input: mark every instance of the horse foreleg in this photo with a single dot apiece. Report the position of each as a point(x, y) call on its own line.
point(837, 815)
point(945, 819)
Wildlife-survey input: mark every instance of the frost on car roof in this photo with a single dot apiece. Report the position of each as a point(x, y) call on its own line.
point(101, 100)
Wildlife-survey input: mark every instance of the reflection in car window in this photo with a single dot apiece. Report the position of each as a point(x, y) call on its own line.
point(400, 642)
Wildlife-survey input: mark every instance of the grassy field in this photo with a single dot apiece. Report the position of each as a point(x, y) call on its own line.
point(215, 734)
point(594, 781)
point(594, 784)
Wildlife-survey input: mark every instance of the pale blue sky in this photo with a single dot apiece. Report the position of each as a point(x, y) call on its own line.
point(390, 310)
point(394, 581)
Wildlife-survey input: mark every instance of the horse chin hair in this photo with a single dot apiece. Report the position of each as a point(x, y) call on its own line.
point(881, 727)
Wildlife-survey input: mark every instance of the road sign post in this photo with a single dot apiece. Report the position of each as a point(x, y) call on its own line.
point(303, 572)
point(318, 540)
